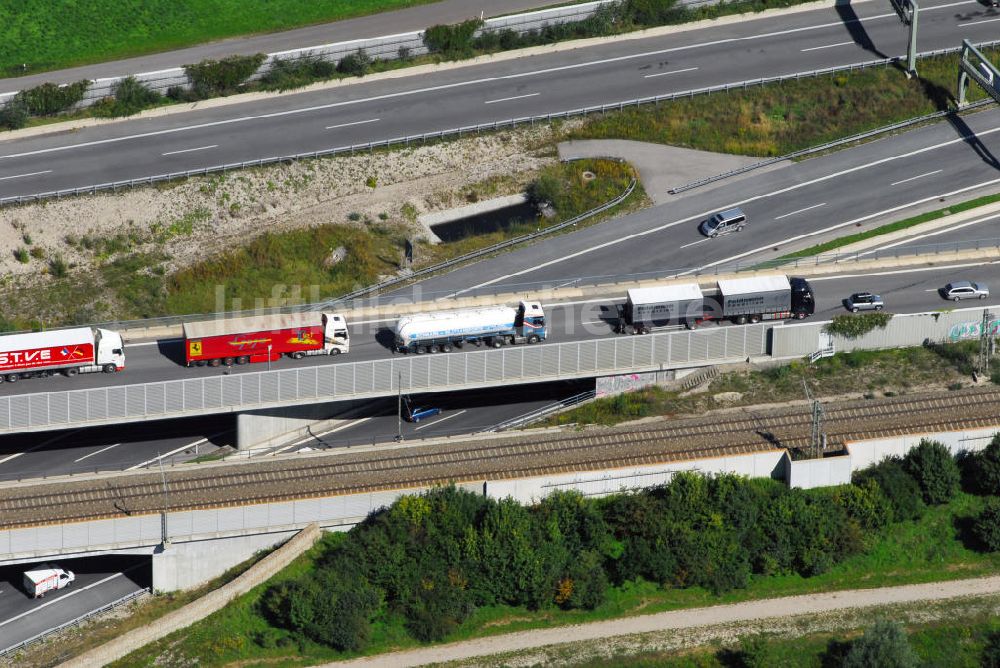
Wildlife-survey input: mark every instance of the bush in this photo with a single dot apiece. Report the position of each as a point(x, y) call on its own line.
point(649, 12)
point(58, 267)
point(49, 99)
point(986, 527)
point(856, 325)
point(990, 657)
point(355, 64)
point(930, 463)
point(898, 486)
point(22, 255)
point(131, 96)
point(222, 77)
point(884, 645)
point(285, 74)
point(985, 468)
point(14, 115)
point(452, 41)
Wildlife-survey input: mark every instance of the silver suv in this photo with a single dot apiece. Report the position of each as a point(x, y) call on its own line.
point(864, 301)
point(965, 290)
point(724, 222)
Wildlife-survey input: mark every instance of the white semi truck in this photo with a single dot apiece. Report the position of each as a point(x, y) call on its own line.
point(495, 326)
point(66, 351)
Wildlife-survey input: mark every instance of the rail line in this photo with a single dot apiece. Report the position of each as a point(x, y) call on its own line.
point(345, 472)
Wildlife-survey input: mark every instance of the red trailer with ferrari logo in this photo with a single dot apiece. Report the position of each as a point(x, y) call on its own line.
point(261, 338)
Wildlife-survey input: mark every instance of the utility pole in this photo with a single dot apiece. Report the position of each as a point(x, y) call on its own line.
point(399, 407)
point(164, 535)
point(817, 437)
point(985, 345)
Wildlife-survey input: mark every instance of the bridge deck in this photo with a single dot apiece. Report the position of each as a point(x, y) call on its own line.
point(213, 485)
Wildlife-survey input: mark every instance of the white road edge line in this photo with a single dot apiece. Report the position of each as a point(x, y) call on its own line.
point(173, 452)
point(96, 452)
point(61, 598)
point(826, 46)
point(21, 176)
point(447, 417)
point(792, 213)
point(663, 74)
point(352, 422)
point(975, 23)
point(918, 176)
point(508, 99)
point(38, 446)
point(910, 270)
point(935, 233)
point(347, 125)
point(191, 150)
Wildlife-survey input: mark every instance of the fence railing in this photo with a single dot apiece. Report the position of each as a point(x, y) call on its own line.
point(24, 644)
point(406, 140)
point(539, 414)
point(384, 377)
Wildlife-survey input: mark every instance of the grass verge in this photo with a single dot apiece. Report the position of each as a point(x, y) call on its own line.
point(833, 244)
point(777, 119)
point(925, 550)
point(888, 372)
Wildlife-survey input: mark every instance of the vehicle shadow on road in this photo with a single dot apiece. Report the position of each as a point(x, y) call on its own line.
point(856, 29)
point(173, 350)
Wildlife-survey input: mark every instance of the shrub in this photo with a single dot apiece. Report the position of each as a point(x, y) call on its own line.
point(452, 41)
point(984, 468)
point(38, 252)
point(131, 96)
point(856, 325)
point(222, 77)
point(649, 12)
point(865, 504)
point(986, 527)
point(49, 99)
point(932, 466)
point(285, 74)
point(898, 486)
point(355, 64)
point(58, 267)
point(22, 256)
point(884, 645)
point(990, 657)
point(14, 115)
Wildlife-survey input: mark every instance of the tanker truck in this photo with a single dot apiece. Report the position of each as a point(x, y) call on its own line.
point(65, 351)
point(260, 338)
point(495, 326)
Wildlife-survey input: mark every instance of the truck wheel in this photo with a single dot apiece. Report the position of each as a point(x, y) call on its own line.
point(334, 351)
point(496, 343)
point(69, 373)
point(446, 348)
point(12, 378)
point(200, 363)
point(214, 362)
point(740, 320)
point(419, 350)
point(242, 359)
point(534, 338)
point(754, 319)
point(433, 348)
point(109, 368)
point(800, 316)
point(228, 361)
point(297, 355)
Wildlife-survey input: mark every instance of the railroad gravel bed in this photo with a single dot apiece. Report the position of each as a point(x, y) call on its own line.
point(345, 472)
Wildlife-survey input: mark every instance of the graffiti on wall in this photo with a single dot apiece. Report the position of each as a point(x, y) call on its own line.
point(629, 382)
point(972, 329)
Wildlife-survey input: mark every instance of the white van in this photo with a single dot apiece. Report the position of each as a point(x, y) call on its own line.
point(46, 577)
point(724, 222)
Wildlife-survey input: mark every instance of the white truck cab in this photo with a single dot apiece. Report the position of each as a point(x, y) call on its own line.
point(336, 337)
point(110, 351)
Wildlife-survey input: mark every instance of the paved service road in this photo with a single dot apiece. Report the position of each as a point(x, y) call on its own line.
point(566, 79)
point(99, 580)
point(375, 25)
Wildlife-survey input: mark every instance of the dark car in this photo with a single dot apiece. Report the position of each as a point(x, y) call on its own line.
point(864, 301)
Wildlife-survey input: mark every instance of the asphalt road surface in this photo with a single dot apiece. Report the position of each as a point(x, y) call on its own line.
point(99, 580)
point(375, 25)
point(568, 79)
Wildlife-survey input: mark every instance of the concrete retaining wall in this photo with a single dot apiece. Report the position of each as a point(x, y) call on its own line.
point(204, 606)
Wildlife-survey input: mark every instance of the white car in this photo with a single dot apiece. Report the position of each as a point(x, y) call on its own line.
point(965, 290)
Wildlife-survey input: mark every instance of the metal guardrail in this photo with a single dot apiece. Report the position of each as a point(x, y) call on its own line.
point(13, 649)
point(252, 390)
point(406, 140)
point(541, 413)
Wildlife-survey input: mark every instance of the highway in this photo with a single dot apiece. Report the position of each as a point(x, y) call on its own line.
point(363, 27)
point(99, 580)
point(470, 94)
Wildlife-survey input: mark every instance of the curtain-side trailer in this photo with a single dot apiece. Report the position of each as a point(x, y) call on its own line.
point(261, 338)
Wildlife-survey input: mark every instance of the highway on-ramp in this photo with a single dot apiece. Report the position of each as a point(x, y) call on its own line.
point(500, 89)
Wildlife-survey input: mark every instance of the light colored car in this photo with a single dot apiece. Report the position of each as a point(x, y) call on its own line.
point(959, 290)
point(724, 222)
point(864, 301)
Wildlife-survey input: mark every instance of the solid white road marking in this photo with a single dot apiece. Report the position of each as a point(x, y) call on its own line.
point(508, 99)
point(432, 89)
point(932, 234)
point(354, 422)
point(191, 150)
point(21, 176)
point(792, 213)
point(975, 23)
point(663, 74)
point(61, 598)
point(38, 446)
point(97, 452)
point(174, 452)
point(347, 125)
point(917, 270)
point(694, 243)
point(153, 343)
point(447, 417)
point(918, 176)
point(827, 46)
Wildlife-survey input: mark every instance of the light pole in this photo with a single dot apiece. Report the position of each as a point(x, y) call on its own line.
point(399, 407)
point(164, 535)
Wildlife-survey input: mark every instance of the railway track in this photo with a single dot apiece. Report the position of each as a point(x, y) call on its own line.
point(331, 474)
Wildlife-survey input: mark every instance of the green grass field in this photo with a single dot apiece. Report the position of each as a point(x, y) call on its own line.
point(46, 35)
point(925, 550)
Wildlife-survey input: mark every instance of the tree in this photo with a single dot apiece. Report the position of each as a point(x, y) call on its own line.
point(884, 645)
point(930, 463)
point(987, 468)
point(899, 487)
point(990, 658)
point(986, 527)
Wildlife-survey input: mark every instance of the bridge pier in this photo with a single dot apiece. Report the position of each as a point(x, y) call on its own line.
point(191, 564)
point(273, 426)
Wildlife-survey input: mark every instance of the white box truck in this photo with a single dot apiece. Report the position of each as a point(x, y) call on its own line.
point(66, 351)
point(46, 577)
